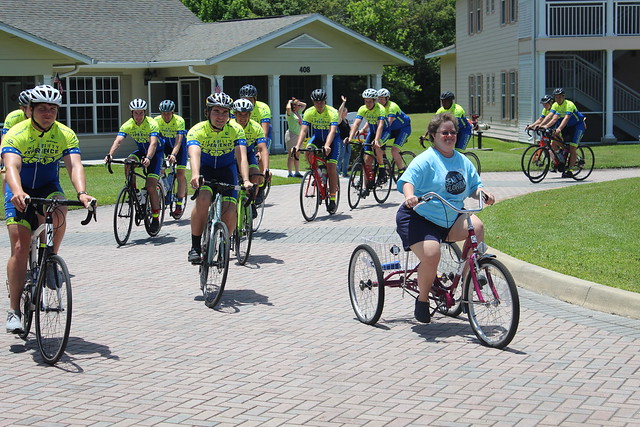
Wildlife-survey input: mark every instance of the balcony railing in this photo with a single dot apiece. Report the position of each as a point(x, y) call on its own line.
point(589, 18)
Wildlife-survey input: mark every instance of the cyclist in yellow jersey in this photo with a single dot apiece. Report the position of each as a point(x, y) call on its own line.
point(14, 117)
point(172, 135)
point(324, 120)
point(397, 126)
point(375, 115)
point(546, 102)
point(144, 131)
point(217, 151)
point(464, 127)
point(31, 151)
point(254, 135)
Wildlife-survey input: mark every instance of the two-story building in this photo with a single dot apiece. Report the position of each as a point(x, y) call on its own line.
point(509, 53)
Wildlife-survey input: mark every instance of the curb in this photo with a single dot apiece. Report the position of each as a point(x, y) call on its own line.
point(571, 289)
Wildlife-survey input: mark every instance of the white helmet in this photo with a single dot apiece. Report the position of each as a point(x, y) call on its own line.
point(384, 93)
point(219, 100)
point(370, 93)
point(243, 105)
point(138, 104)
point(45, 94)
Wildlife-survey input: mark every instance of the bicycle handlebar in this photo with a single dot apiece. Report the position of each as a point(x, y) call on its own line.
point(64, 202)
point(126, 161)
point(217, 185)
point(431, 195)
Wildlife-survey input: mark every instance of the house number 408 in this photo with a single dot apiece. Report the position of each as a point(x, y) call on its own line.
point(305, 69)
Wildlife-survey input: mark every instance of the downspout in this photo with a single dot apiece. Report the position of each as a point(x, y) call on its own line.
point(75, 70)
point(206, 76)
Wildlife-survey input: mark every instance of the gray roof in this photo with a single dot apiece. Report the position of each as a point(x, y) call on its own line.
point(141, 31)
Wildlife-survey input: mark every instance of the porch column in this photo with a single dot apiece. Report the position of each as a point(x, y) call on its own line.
point(217, 79)
point(608, 137)
point(326, 81)
point(278, 121)
point(376, 82)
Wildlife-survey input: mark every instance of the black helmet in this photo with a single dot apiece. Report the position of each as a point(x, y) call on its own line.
point(319, 95)
point(547, 99)
point(248, 91)
point(558, 91)
point(166, 106)
point(447, 95)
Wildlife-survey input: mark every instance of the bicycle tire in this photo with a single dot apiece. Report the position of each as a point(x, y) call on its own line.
point(538, 164)
point(148, 212)
point(267, 188)
point(309, 196)
point(123, 217)
point(494, 321)
point(585, 161)
point(174, 200)
point(53, 309)
point(407, 157)
point(244, 232)
point(474, 159)
point(382, 190)
point(257, 220)
point(450, 255)
point(215, 265)
point(524, 160)
point(27, 308)
point(366, 284)
point(354, 188)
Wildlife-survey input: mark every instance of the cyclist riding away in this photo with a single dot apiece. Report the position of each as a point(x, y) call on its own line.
point(375, 115)
point(172, 134)
point(31, 151)
point(144, 131)
point(217, 150)
point(323, 119)
point(464, 127)
point(262, 114)
point(256, 141)
point(443, 170)
point(571, 128)
point(398, 127)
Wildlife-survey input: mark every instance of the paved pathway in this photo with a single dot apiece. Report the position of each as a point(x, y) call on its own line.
point(284, 346)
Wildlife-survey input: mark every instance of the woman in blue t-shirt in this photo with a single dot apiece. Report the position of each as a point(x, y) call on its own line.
point(443, 170)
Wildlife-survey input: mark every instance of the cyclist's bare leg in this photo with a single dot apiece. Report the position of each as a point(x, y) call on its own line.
point(229, 215)
point(20, 238)
point(428, 252)
point(150, 185)
point(59, 226)
point(181, 176)
point(332, 171)
point(573, 153)
point(199, 213)
point(395, 153)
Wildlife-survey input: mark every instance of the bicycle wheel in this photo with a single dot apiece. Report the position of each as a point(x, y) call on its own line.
point(474, 159)
point(123, 217)
point(366, 284)
point(495, 320)
point(584, 163)
point(173, 196)
point(53, 309)
point(407, 157)
point(257, 219)
point(244, 232)
point(524, 160)
point(450, 255)
point(355, 185)
point(382, 189)
point(309, 196)
point(215, 265)
point(27, 308)
point(538, 165)
point(148, 217)
point(267, 187)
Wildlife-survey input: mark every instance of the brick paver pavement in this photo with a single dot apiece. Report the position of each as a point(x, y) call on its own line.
point(284, 346)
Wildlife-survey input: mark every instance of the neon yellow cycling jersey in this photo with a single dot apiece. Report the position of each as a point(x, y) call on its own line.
point(140, 134)
point(261, 112)
point(320, 121)
point(372, 116)
point(13, 118)
point(253, 133)
point(218, 148)
point(544, 112)
point(169, 131)
point(40, 154)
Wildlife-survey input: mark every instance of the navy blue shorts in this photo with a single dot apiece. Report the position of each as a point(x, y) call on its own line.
point(413, 228)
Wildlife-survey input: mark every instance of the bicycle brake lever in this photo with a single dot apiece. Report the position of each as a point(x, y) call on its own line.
point(92, 210)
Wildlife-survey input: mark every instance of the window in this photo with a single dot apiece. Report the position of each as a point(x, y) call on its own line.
point(508, 11)
point(472, 94)
point(509, 94)
point(92, 104)
point(475, 94)
point(493, 89)
point(475, 16)
point(491, 6)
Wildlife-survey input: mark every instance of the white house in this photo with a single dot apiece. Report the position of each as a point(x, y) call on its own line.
point(109, 52)
point(509, 53)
